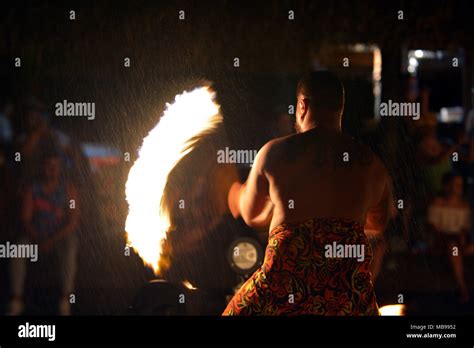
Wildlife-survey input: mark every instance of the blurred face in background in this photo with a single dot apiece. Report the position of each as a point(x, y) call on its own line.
point(52, 168)
point(34, 120)
point(457, 186)
point(429, 144)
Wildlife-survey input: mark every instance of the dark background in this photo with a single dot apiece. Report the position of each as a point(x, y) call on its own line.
point(82, 60)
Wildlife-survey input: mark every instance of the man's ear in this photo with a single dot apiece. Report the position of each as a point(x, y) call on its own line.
point(303, 109)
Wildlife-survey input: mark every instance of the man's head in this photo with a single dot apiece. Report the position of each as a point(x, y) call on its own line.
point(320, 101)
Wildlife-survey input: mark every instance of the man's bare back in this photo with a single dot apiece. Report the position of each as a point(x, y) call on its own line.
point(318, 173)
point(323, 173)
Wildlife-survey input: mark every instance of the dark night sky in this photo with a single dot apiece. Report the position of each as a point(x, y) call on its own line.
point(83, 59)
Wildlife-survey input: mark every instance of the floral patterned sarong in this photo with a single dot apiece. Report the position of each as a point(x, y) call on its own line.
point(297, 277)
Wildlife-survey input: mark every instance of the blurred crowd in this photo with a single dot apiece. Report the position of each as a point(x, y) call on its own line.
point(442, 211)
point(49, 195)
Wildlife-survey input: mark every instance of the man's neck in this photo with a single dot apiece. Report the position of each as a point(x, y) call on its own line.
point(329, 127)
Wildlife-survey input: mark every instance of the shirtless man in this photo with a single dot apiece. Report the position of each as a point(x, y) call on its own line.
point(313, 189)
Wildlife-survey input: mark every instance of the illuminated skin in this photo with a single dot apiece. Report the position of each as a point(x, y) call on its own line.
point(304, 176)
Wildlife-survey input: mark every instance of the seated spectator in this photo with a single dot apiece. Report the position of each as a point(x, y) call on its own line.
point(449, 215)
point(434, 157)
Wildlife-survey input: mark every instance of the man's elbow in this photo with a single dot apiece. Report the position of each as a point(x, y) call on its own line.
point(257, 222)
point(250, 221)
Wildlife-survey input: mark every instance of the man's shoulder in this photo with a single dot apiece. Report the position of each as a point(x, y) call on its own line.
point(282, 141)
point(271, 152)
point(291, 145)
point(278, 147)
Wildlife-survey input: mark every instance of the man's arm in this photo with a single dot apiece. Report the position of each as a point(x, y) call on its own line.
point(252, 200)
point(379, 215)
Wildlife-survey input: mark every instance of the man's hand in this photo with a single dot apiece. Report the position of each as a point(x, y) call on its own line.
point(373, 225)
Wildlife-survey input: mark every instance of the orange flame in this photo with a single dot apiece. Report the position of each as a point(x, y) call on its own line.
point(148, 221)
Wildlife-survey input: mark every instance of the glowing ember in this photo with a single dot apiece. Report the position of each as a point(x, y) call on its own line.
point(393, 310)
point(188, 285)
point(182, 125)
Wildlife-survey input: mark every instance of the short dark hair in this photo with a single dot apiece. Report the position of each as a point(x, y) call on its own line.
point(323, 89)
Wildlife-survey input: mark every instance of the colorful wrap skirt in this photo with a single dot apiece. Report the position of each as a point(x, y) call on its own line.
point(301, 276)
